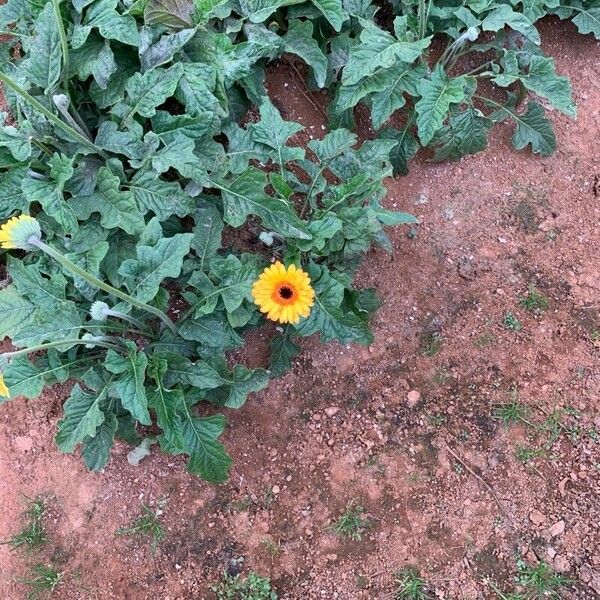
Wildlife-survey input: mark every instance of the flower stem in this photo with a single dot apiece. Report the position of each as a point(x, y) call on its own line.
point(4, 78)
point(423, 17)
point(71, 266)
point(119, 315)
point(90, 341)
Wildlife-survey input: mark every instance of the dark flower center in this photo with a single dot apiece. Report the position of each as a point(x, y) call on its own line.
point(285, 292)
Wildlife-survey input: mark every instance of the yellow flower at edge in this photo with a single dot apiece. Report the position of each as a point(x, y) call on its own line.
point(4, 391)
point(284, 294)
point(17, 232)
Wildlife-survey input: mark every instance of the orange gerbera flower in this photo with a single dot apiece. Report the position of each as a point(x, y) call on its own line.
point(284, 294)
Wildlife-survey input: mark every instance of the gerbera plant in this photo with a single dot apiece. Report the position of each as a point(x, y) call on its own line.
point(130, 160)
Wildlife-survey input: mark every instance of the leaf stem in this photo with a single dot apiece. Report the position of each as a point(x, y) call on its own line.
point(423, 17)
point(4, 78)
point(14, 33)
point(486, 99)
point(42, 147)
point(483, 66)
point(49, 345)
point(63, 43)
point(71, 266)
point(308, 199)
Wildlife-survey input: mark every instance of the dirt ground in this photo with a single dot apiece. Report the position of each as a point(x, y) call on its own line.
point(406, 428)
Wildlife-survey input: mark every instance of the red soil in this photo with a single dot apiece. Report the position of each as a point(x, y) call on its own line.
point(412, 437)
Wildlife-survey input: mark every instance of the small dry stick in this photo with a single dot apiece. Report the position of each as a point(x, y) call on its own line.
point(484, 482)
point(300, 85)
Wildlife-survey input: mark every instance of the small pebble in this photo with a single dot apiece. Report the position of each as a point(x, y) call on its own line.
point(536, 517)
point(413, 398)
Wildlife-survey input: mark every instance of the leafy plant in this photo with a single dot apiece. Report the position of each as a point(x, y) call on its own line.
point(526, 454)
point(253, 587)
point(410, 586)
point(146, 525)
point(431, 344)
point(33, 534)
point(540, 581)
point(132, 149)
point(534, 301)
point(352, 523)
point(510, 321)
point(512, 412)
point(43, 581)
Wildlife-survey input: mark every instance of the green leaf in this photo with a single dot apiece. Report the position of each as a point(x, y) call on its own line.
point(205, 9)
point(28, 378)
point(536, 9)
point(466, 133)
point(147, 91)
point(15, 311)
point(196, 89)
point(12, 198)
point(44, 293)
point(379, 49)
point(179, 154)
point(587, 19)
point(299, 40)
point(213, 331)
point(207, 233)
point(228, 388)
point(400, 79)
point(17, 10)
point(258, 11)
point(437, 94)
point(326, 316)
point(322, 230)
point(273, 132)
point(95, 58)
point(504, 15)
point(111, 25)
point(81, 419)
point(96, 449)
point(336, 142)
point(406, 148)
point(333, 11)
point(283, 350)
point(125, 142)
point(49, 193)
point(532, 127)
point(206, 302)
point(50, 325)
point(236, 279)
point(208, 458)
point(163, 198)
point(170, 127)
point(18, 141)
point(165, 48)
point(166, 404)
point(540, 78)
point(44, 56)
point(117, 208)
point(145, 274)
point(391, 218)
point(130, 385)
point(543, 80)
point(245, 195)
point(122, 247)
point(89, 261)
point(174, 14)
point(242, 148)
point(235, 387)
